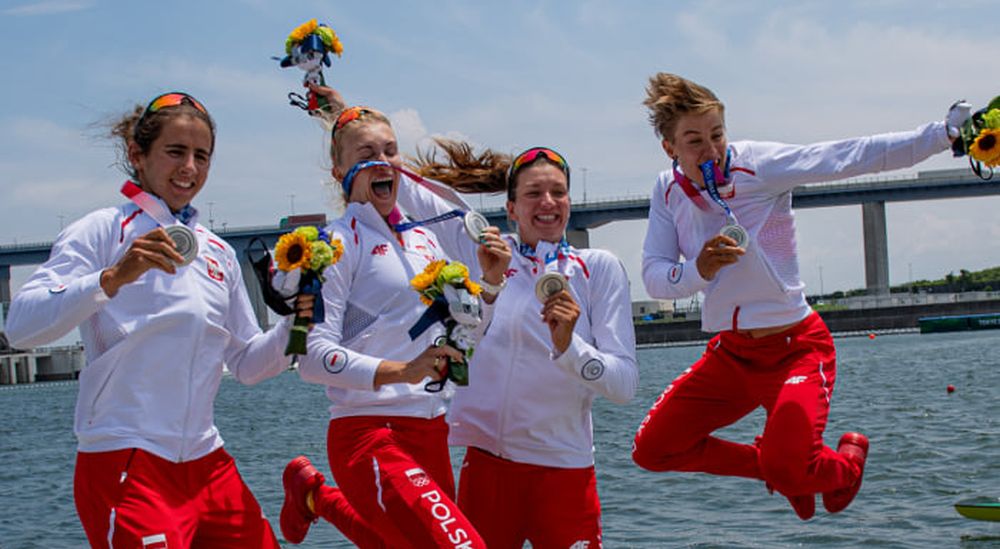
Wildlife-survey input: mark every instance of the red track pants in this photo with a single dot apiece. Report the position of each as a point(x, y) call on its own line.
point(395, 486)
point(511, 502)
point(791, 374)
point(132, 498)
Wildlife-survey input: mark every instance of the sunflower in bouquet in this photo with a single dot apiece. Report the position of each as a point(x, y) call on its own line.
point(302, 255)
point(980, 139)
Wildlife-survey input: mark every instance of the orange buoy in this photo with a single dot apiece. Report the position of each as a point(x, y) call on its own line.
point(951, 388)
point(871, 335)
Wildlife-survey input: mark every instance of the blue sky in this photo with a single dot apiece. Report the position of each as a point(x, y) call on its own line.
point(566, 74)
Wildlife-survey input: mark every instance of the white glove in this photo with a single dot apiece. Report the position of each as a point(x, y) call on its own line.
point(958, 114)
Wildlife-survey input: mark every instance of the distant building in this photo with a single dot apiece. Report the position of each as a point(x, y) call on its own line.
point(651, 309)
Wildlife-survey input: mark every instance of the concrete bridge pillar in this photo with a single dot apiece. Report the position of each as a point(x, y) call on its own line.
point(4, 284)
point(876, 248)
point(253, 290)
point(578, 238)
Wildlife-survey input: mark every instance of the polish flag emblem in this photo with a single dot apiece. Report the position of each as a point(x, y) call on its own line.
point(418, 477)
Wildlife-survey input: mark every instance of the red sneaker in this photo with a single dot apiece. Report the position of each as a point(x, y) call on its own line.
point(854, 447)
point(805, 506)
point(299, 479)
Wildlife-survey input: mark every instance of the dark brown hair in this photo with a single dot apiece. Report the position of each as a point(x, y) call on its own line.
point(466, 172)
point(133, 127)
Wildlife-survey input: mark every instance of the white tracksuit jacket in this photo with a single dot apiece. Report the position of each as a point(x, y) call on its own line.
point(522, 402)
point(369, 308)
point(155, 352)
point(763, 288)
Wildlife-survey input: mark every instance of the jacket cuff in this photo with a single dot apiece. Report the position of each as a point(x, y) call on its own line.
point(580, 360)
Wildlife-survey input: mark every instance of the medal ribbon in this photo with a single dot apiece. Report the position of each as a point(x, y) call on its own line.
point(710, 172)
point(160, 213)
point(554, 260)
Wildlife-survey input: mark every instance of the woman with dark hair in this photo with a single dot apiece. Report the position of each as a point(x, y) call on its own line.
point(162, 308)
point(561, 336)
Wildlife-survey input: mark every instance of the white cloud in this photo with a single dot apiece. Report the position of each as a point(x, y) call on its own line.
point(410, 129)
point(49, 7)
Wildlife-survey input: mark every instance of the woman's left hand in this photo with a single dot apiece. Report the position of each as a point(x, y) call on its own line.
point(560, 312)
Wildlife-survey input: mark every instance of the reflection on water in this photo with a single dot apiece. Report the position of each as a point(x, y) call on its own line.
point(929, 449)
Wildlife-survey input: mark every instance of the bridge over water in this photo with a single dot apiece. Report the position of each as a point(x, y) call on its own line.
point(871, 195)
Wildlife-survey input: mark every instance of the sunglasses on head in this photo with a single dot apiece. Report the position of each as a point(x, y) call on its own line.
point(531, 155)
point(347, 116)
point(172, 99)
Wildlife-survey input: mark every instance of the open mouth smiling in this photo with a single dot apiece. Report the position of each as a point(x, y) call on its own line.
point(382, 188)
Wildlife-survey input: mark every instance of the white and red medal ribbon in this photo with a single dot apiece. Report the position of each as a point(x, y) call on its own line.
point(184, 238)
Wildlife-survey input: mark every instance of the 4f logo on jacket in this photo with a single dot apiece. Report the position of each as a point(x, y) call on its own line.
point(380, 249)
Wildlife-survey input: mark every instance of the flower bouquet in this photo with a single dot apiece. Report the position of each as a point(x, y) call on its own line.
point(452, 299)
point(308, 48)
point(980, 139)
point(302, 256)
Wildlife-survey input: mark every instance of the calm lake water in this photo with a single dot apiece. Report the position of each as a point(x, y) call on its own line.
point(929, 449)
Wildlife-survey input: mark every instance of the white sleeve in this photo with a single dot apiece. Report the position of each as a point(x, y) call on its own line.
point(327, 362)
point(664, 275)
point(608, 366)
point(66, 289)
point(783, 167)
point(251, 355)
point(422, 203)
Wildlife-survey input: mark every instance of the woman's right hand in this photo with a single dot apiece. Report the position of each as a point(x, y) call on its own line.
point(153, 250)
point(433, 363)
point(331, 95)
point(717, 252)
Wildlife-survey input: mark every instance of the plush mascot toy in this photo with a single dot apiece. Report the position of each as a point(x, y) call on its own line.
point(308, 48)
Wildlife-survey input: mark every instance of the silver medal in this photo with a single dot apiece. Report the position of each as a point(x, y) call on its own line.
point(737, 233)
point(475, 224)
point(548, 285)
point(185, 241)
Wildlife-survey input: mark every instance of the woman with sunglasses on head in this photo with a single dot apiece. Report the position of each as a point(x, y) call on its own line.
point(387, 437)
point(525, 416)
point(161, 307)
point(726, 208)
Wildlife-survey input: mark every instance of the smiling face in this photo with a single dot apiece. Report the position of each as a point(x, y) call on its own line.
point(541, 203)
point(176, 165)
point(369, 140)
point(699, 137)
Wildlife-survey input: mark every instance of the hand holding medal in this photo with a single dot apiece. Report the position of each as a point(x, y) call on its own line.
point(711, 174)
point(559, 310)
point(726, 247)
